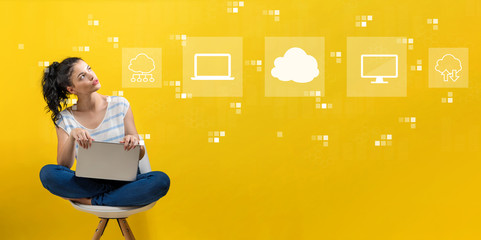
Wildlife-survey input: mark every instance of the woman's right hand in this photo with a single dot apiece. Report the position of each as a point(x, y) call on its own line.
point(82, 136)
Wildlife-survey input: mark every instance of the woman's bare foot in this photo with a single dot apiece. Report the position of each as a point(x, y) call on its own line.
point(86, 201)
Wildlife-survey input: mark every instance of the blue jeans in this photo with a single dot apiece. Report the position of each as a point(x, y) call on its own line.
point(147, 188)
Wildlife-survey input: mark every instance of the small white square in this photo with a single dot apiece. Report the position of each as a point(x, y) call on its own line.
point(147, 136)
point(419, 68)
point(183, 95)
point(184, 43)
point(184, 37)
point(324, 106)
point(338, 54)
point(96, 22)
point(81, 49)
point(20, 46)
point(235, 10)
point(377, 143)
point(177, 83)
point(216, 140)
point(363, 18)
point(369, 18)
point(74, 101)
point(238, 105)
point(259, 62)
point(87, 48)
point(389, 137)
point(450, 100)
point(141, 142)
point(411, 40)
point(318, 93)
point(413, 119)
point(241, 3)
point(46, 63)
point(116, 39)
point(40, 64)
point(435, 21)
point(222, 133)
point(177, 37)
point(279, 133)
point(363, 24)
point(276, 12)
point(430, 21)
point(325, 137)
point(116, 45)
point(121, 93)
point(405, 40)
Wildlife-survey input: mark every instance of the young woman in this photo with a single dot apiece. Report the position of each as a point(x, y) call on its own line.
point(94, 117)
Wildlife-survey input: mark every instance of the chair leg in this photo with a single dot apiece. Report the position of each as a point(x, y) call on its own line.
point(124, 227)
point(100, 228)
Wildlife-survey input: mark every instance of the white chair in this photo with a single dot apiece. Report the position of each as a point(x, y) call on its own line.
point(119, 213)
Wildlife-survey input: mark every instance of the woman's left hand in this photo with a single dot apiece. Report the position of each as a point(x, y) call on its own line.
point(130, 142)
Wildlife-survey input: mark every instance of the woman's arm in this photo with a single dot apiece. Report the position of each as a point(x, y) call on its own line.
point(65, 148)
point(130, 129)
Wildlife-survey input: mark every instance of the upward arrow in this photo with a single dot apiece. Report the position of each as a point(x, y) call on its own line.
point(445, 74)
point(454, 75)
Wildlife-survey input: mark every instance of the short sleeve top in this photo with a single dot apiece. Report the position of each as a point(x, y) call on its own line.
point(111, 129)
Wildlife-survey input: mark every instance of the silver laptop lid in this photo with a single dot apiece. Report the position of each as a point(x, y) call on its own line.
point(107, 160)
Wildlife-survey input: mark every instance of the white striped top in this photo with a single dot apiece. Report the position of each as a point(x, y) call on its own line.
point(111, 129)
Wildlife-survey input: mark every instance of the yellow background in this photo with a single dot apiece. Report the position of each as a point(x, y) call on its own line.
point(252, 184)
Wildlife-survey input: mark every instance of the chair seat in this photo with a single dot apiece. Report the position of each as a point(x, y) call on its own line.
point(111, 211)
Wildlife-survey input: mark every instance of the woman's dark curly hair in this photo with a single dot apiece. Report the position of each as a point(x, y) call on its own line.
point(55, 80)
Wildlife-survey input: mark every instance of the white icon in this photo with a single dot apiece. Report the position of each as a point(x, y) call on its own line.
point(295, 65)
point(206, 58)
point(449, 66)
point(143, 66)
point(386, 66)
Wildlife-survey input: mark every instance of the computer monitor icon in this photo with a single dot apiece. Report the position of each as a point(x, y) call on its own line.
point(379, 66)
point(209, 60)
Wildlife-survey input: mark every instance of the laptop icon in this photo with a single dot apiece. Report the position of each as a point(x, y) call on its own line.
point(212, 66)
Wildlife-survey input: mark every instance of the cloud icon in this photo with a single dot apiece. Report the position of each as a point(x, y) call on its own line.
point(448, 66)
point(142, 64)
point(296, 65)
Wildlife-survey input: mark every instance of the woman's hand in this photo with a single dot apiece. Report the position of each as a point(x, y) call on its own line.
point(81, 136)
point(130, 142)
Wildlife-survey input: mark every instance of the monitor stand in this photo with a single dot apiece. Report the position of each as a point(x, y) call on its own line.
point(379, 80)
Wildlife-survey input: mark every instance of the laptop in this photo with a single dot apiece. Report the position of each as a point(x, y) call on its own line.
point(107, 160)
point(206, 59)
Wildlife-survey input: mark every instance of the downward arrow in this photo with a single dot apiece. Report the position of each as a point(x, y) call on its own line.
point(454, 76)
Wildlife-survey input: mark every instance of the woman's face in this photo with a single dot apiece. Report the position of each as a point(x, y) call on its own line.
point(83, 79)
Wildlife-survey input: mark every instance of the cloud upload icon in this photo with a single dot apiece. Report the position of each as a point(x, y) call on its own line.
point(449, 66)
point(296, 65)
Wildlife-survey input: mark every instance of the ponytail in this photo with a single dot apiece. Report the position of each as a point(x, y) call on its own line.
point(55, 80)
